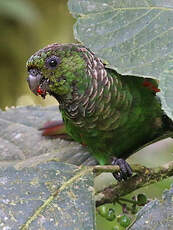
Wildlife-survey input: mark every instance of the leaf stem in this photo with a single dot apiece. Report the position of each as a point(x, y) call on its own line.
point(127, 200)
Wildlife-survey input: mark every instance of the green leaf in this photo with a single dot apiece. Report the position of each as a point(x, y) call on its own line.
point(156, 215)
point(20, 139)
point(37, 191)
point(50, 196)
point(134, 37)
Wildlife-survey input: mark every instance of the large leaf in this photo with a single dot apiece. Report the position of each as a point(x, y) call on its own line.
point(156, 215)
point(21, 140)
point(134, 37)
point(49, 196)
point(37, 191)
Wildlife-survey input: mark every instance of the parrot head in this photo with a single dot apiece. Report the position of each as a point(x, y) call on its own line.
point(55, 69)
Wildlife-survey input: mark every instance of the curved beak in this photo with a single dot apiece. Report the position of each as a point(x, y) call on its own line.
point(34, 82)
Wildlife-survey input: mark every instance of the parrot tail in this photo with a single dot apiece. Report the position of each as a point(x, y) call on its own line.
point(55, 129)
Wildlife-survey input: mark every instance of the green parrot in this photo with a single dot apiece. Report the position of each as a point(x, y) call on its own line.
point(113, 115)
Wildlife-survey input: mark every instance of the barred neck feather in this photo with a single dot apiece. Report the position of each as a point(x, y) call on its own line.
point(101, 100)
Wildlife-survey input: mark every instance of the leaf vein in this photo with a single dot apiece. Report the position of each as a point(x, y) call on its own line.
point(49, 200)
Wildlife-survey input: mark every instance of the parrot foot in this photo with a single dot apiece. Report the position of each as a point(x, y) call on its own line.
point(125, 169)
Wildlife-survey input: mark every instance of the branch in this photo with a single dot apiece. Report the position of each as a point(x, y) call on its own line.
point(115, 168)
point(144, 176)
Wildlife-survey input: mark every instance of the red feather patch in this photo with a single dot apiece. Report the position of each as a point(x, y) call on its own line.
point(151, 86)
point(52, 128)
point(40, 91)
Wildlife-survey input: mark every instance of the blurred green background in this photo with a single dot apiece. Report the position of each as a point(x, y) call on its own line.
point(28, 25)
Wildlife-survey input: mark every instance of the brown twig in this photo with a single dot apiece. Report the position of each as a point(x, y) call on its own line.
point(115, 168)
point(144, 176)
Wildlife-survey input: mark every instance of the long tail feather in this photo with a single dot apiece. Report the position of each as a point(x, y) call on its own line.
point(54, 128)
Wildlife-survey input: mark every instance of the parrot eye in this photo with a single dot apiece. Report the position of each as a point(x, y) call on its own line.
point(52, 62)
